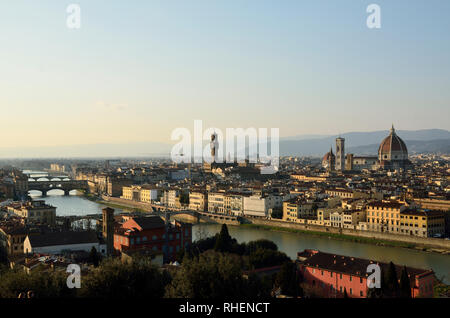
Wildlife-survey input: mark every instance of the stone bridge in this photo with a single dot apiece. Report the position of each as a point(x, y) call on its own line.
point(65, 185)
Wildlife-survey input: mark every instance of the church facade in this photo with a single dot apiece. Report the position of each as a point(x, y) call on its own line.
point(392, 155)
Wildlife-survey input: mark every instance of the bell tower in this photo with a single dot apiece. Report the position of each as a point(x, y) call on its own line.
point(340, 154)
point(108, 229)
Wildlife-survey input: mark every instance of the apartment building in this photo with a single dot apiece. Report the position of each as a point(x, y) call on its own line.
point(35, 212)
point(198, 200)
point(216, 202)
point(333, 275)
point(144, 193)
point(423, 223)
point(384, 216)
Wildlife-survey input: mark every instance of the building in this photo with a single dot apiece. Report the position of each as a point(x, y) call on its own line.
point(257, 205)
point(150, 233)
point(60, 242)
point(198, 201)
point(234, 203)
point(114, 186)
point(12, 237)
point(35, 212)
point(328, 161)
point(108, 229)
point(296, 210)
point(384, 216)
point(340, 154)
point(392, 155)
point(332, 274)
point(216, 202)
point(423, 223)
point(347, 194)
point(144, 193)
point(172, 198)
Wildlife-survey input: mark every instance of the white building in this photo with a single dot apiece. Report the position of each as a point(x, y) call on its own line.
point(58, 242)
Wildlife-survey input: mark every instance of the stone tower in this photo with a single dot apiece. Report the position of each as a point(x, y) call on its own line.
point(214, 144)
point(108, 229)
point(340, 154)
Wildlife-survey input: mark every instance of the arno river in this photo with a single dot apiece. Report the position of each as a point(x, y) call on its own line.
point(290, 243)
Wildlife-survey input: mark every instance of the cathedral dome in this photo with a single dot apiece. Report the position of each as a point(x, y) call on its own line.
point(328, 156)
point(392, 148)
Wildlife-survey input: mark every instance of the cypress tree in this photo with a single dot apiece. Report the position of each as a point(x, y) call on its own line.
point(392, 280)
point(223, 241)
point(405, 284)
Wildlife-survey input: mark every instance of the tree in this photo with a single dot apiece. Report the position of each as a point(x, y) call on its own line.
point(405, 284)
point(390, 286)
point(224, 240)
point(288, 280)
point(114, 279)
point(94, 258)
point(213, 275)
point(345, 293)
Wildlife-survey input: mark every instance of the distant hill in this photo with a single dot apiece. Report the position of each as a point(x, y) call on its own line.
point(427, 140)
point(414, 146)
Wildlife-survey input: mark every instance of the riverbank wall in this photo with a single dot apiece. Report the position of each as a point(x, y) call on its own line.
point(128, 203)
point(407, 239)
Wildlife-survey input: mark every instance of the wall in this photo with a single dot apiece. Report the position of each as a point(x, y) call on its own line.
point(429, 242)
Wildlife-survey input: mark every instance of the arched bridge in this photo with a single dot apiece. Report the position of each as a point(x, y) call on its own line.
point(65, 185)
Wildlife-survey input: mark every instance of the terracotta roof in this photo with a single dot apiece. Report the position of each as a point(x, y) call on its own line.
point(63, 238)
point(392, 143)
point(349, 265)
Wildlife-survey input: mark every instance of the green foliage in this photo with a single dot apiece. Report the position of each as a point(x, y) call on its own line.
point(260, 244)
point(3, 255)
point(261, 258)
point(43, 285)
point(224, 241)
point(405, 284)
point(391, 286)
point(94, 257)
point(288, 279)
point(114, 279)
point(214, 275)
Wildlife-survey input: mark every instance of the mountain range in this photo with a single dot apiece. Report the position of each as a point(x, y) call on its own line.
point(364, 143)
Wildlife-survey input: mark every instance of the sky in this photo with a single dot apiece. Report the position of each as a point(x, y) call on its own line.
point(136, 70)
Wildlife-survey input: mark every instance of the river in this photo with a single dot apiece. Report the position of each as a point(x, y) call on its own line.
point(290, 243)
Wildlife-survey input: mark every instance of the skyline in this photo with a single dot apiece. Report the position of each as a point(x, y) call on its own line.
point(133, 74)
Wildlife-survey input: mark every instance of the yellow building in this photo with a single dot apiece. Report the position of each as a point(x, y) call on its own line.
point(198, 201)
point(35, 212)
point(298, 211)
point(423, 223)
point(144, 193)
point(384, 216)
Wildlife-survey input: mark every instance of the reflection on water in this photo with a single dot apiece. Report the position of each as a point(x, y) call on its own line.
point(291, 243)
point(72, 204)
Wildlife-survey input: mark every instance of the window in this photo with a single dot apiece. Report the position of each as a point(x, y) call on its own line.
point(360, 293)
point(351, 291)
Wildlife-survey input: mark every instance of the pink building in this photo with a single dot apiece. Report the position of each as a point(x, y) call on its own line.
point(331, 274)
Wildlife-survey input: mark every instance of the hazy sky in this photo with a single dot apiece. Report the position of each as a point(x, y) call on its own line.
point(138, 69)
